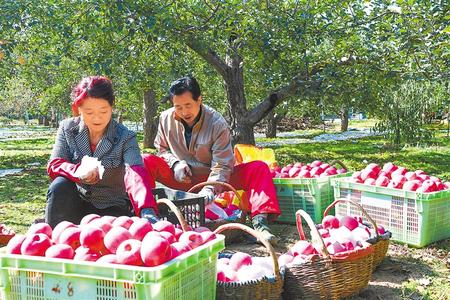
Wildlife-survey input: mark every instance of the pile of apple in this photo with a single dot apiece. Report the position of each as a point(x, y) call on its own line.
point(339, 235)
point(107, 239)
point(315, 169)
point(397, 177)
point(242, 267)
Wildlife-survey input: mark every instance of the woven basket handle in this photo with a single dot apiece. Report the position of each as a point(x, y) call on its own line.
point(360, 208)
point(224, 184)
point(184, 225)
point(232, 226)
point(336, 161)
point(315, 235)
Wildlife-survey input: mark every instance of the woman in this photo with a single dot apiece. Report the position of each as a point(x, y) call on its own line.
point(124, 188)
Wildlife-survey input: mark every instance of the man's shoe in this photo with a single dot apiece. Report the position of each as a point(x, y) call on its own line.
point(260, 224)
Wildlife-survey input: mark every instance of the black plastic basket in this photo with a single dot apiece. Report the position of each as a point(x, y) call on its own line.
point(191, 205)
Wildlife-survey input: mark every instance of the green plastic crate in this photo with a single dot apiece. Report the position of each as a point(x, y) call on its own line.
point(417, 219)
point(313, 195)
point(189, 276)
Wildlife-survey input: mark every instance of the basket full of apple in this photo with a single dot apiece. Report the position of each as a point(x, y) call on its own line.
point(412, 204)
point(306, 186)
point(125, 256)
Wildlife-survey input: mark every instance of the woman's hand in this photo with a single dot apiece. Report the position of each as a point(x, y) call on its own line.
point(91, 178)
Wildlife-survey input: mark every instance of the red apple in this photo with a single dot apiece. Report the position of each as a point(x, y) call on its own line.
point(368, 173)
point(335, 248)
point(202, 229)
point(239, 259)
point(324, 233)
point(168, 236)
point(374, 167)
point(330, 222)
point(331, 171)
point(35, 244)
point(164, 226)
point(285, 170)
point(302, 247)
point(178, 233)
point(399, 171)
point(180, 248)
point(411, 185)
point(298, 165)
point(207, 236)
point(60, 251)
point(410, 176)
point(123, 221)
point(108, 259)
point(101, 223)
point(88, 218)
point(115, 237)
point(92, 237)
point(316, 171)
point(349, 222)
point(423, 177)
point(60, 228)
point(324, 166)
point(15, 243)
point(307, 168)
point(293, 172)
point(389, 168)
point(316, 163)
point(40, 228)
point(70, 236)
point(86, 254)
point(285, 259)
point(129, 253)
point(370, 181)
point(140, 228)
point(428, 186)
point(381, 229)
point(382, 181)
point(192, 238)
point(109, 219)
point(155, 250)
point(341, 171)
point(304, 174)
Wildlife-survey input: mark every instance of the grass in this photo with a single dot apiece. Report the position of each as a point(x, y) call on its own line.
point(22, 196)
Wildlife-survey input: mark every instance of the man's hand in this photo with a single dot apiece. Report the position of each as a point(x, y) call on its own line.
point(91, 178)
point(208, 193)
point(182, 172)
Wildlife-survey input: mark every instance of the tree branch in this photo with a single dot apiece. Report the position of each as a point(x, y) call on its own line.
point(209, 55)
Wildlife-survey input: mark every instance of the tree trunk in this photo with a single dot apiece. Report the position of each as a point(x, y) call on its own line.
point(343, 113)
point(150, 118)
point(120, 116)
point(40, 120)
point(46, 121)
point(273, 119)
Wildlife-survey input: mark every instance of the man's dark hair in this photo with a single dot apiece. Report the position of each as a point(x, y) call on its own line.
point(185, 84)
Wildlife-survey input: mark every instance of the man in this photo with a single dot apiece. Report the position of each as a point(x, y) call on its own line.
point(194, 145)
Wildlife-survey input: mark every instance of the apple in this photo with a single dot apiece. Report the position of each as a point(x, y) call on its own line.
point(178, 233)
point(285, 259)
point(349, 222)
point(370, 181)
point(201, 229)
point(307, 168)
point(164, 226)
point(123, 221)
point(411, 185)
point(192, 238)
point(226, 274)
point(115, 237)
point(155, 250)
point(109, 219)
point(140, 228)
point(324, 233)
point(399, 171)
point(374, 167)
point(331, 171)
point(86, 254)
point(440, 186)
point(180, 248)
point(304, 174)
point(330, 222)
point(302, 247)
point(35, 244)
point(316, 171)
point(207, 236)
point(335, 248)
point(60, 251)
point(60, 228)
point(88, 218)
point(92, 237)
point(429, 186)
point(223, 260)
point(293, 172)
point(108, 259)
point(324, 166)
point(129, 253)
point(410, 176)
point(316, 163)
point(360, 234)
point(381, 229)
point(102, 224)
point(285, 170)
point(382, 181)
point(239, 259)
point(70, 236)
point(15, 243)
point(368, 173)
point(389, 167)
point(168, 236)
point(40, 228)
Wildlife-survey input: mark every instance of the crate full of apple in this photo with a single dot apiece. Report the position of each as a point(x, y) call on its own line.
point(305, 186)
point(412, 204)
point(124, 245)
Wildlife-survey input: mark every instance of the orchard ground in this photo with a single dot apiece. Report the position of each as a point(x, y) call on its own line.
point(406, 273)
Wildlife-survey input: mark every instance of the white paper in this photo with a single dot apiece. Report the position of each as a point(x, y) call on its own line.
point(89, 164)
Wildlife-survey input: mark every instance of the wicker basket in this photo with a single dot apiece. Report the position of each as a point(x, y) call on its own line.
point(230, 236)
point(380, 242)
point(326, 276)
point(264, 288)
